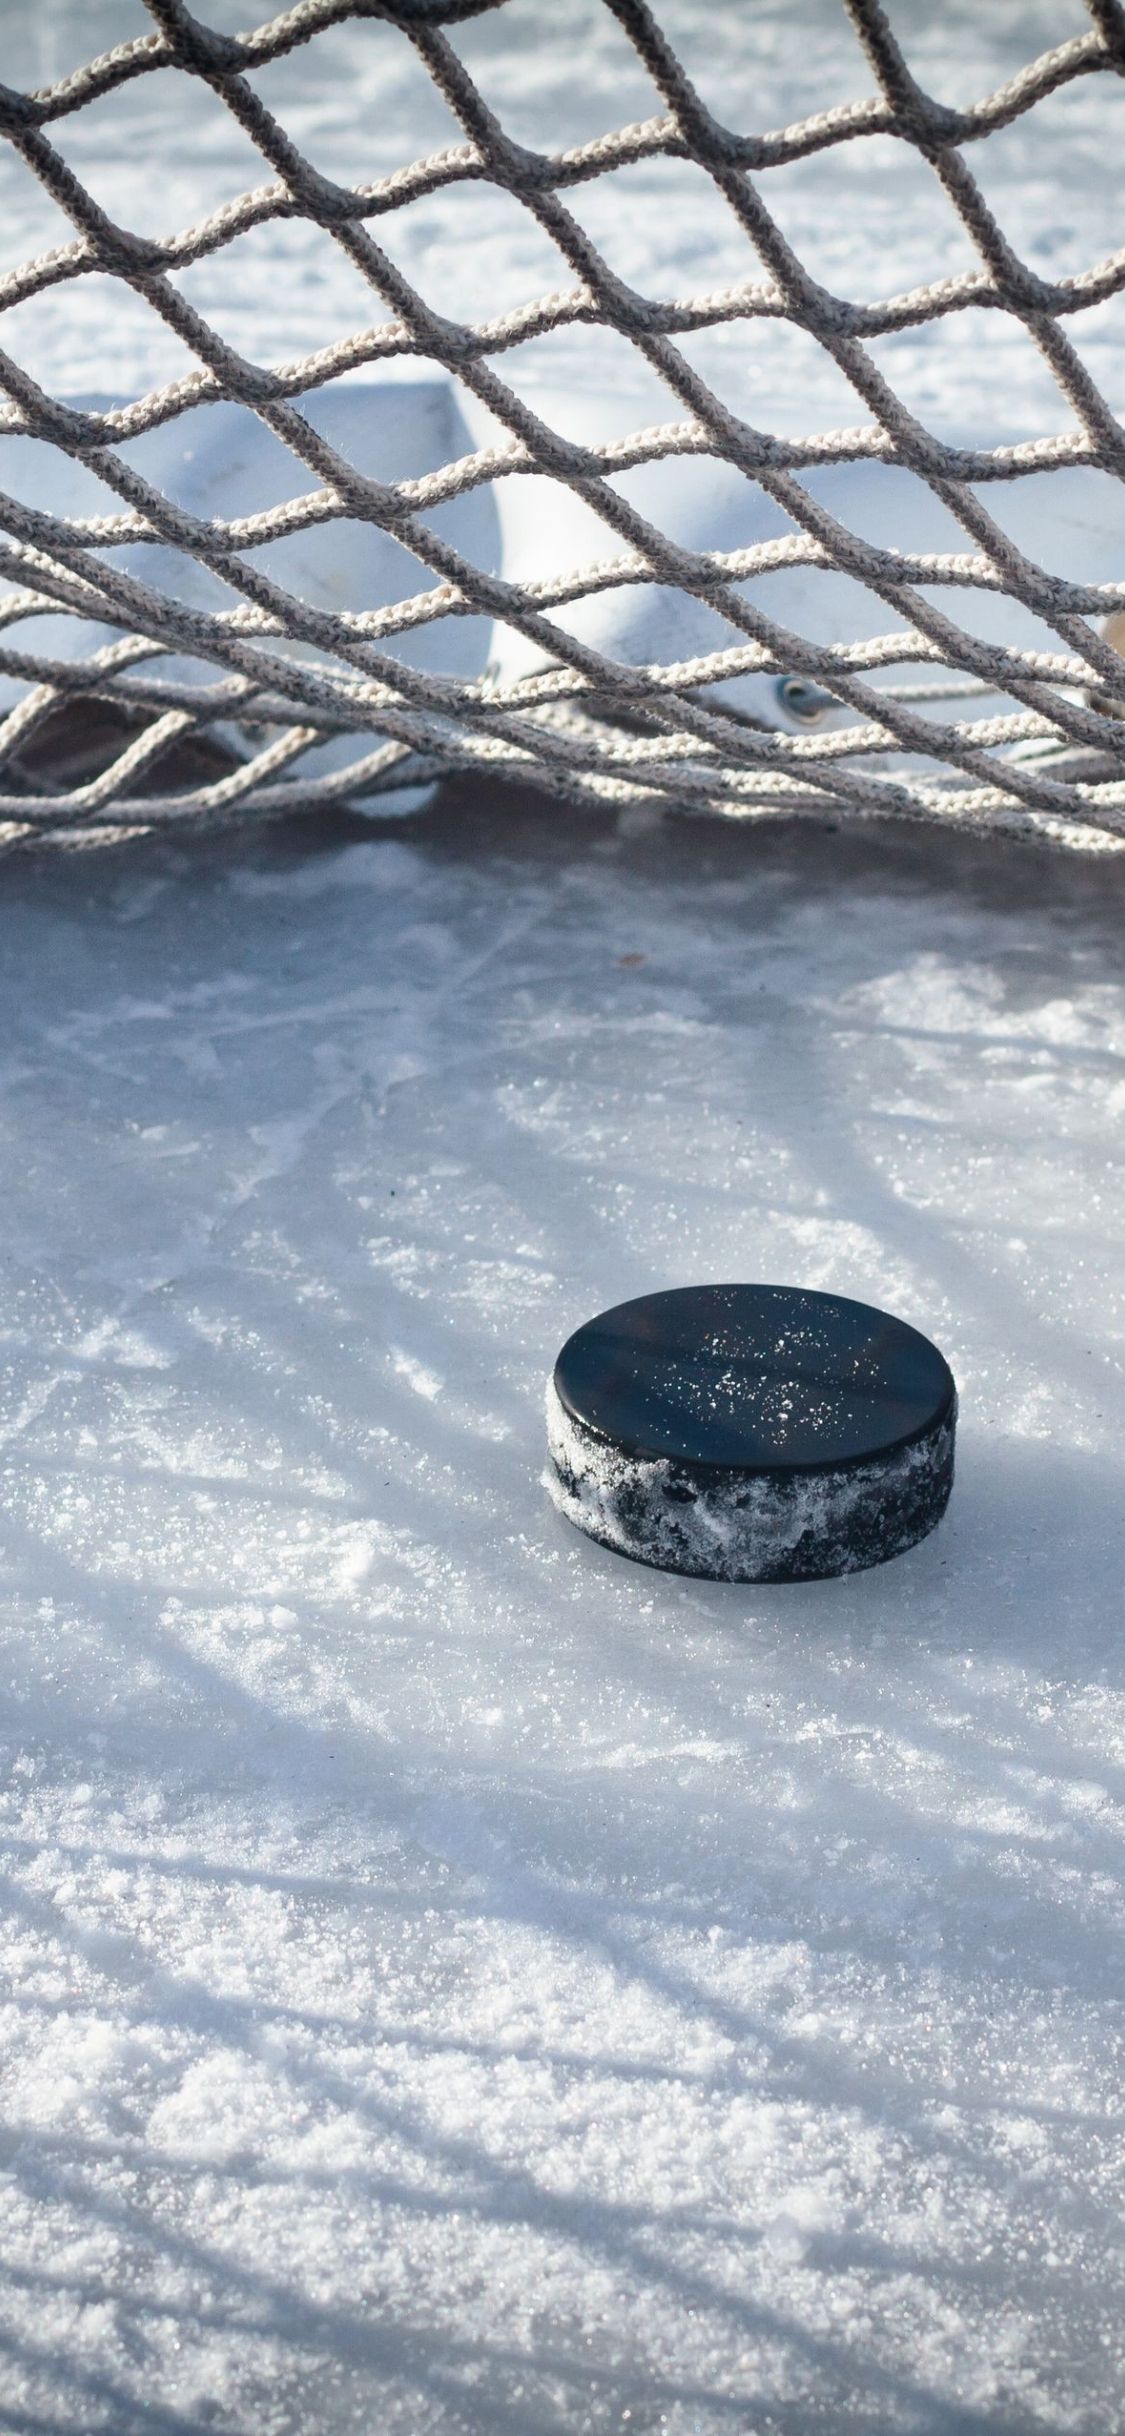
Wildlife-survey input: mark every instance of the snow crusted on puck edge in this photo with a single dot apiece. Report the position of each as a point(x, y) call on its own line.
point(741, 1526)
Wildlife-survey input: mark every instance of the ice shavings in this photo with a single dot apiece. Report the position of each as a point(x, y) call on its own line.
point(452, 1977)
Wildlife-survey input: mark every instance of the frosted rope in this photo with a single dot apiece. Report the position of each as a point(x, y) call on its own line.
point(587, 726)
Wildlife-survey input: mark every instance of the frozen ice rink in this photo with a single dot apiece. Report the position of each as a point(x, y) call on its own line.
point(452, 1981)
point(457, 1979)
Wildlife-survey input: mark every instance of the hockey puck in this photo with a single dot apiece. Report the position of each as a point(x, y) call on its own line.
point(751, 1433)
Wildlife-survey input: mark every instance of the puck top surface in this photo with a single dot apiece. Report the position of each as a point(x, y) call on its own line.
point(765, 1378)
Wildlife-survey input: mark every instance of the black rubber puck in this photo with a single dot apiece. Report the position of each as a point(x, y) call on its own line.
point(751, 1433)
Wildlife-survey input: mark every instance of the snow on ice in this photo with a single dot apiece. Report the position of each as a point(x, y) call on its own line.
point(454, 1978)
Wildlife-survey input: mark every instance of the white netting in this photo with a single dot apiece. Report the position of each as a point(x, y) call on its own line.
point(144, 701)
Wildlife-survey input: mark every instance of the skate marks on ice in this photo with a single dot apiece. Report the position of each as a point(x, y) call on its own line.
point(456, 1978)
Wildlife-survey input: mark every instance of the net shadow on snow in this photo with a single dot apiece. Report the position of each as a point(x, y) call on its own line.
point(559, 1846)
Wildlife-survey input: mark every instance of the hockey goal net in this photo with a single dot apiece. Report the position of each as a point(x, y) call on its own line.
point(134, 699)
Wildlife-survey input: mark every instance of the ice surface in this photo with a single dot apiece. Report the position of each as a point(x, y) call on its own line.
point(456, 1980)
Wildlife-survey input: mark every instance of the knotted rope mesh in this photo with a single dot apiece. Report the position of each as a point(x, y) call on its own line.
point(280, 674)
